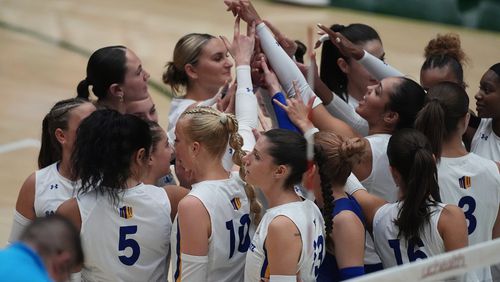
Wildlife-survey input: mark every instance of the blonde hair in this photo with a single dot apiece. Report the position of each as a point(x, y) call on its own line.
point(215, 130)
point(335, 156)
point(186, 51)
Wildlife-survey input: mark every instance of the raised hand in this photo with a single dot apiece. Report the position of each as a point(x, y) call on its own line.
point(297, 111)
point(241, 49)
point(271, 81)
point(244, 9)
point(346, 47)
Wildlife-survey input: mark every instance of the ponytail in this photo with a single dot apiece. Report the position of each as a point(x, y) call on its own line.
point(410, 154)
point(50, 149)
point(431, 122)
point(236, 142)
point(335, 157)
point(447, 104)
point(82, 90)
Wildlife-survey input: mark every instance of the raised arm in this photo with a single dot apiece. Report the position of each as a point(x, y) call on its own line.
point(241, 49)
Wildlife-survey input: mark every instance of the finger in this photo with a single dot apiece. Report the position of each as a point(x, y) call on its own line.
point(251, 30)
point(328, 31)
point(284, 107)
point(237, 27)
point(256, 134)
point(257, 49)
point(310, 104)
point(296, 90)
point(264, 66)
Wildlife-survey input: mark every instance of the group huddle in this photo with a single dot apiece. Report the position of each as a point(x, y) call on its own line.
point(285, 173)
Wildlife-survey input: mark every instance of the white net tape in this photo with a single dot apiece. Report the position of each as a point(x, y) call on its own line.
point(442, 266)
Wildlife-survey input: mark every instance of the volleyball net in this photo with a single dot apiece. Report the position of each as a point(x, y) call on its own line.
point(438, 268)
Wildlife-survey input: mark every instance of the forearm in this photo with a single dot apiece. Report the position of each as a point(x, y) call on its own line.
point(285, 68)
point(343, 111)
point(246, 107)
point(377, 67)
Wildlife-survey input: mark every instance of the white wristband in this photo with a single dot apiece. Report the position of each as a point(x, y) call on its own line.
point(352, 185)
point(310, 133)
point(283, 278)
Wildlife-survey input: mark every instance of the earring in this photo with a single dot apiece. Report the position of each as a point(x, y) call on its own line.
point(121, 98)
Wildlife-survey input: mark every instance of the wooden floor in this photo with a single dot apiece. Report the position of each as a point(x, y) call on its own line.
point(44, 47)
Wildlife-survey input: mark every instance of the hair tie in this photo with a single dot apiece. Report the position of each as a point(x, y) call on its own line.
point(223, 118)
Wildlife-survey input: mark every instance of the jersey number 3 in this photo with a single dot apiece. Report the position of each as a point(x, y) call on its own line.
point(124, 243)
point(244, 238)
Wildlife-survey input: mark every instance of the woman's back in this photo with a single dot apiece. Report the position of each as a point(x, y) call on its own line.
point(137, 231)
point(229, 210)
point(396, 251)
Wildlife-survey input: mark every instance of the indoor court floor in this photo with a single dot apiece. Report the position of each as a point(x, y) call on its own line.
point(44, 47)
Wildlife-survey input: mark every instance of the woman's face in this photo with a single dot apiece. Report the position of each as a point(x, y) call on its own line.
point(433, 76)
point(213, 68)
point(76, 115)
point(162, 155)
point(135, 83)
point(373, 106)
point(358, 77)
point(144, 109)
point(259, 165)
point(182, 144)
point(488, 96)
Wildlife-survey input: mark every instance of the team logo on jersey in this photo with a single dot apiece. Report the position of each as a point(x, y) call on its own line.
point(126, 212)
point(236, 203)
point(464, 182)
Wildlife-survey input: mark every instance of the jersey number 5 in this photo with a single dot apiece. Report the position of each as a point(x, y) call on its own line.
point(124, 243)
point(244, 238)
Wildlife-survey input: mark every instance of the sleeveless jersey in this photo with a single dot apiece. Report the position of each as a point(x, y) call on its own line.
point(485, 142)
point(329, 270)
point(51, 190)
point(396, 251)
point(472, 183)
point(309, 221)
point(177, 107)
point(231, 229)
point(128, 241)
point(379, 183)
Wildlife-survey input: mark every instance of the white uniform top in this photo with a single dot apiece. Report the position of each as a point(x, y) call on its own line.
point(380, 181)
point(308, 219)
point(128, 241)
point(396, 251)
point(485, 142)
point(51, 190)
point(231, 229)
point(177, 107)
point(472, 183)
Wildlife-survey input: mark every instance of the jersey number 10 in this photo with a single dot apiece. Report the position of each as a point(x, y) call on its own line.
point(244, 238)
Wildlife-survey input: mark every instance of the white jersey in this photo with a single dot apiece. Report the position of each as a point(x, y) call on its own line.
point(485, 142)
point(51, 190)
point(128, 241)
point(229, 209)
point(472, 183)
point(309, 221)
point(396, 251)
point(177, 107)
point(379, 183)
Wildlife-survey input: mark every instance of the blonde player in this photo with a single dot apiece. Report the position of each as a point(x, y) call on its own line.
point(212, 230)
